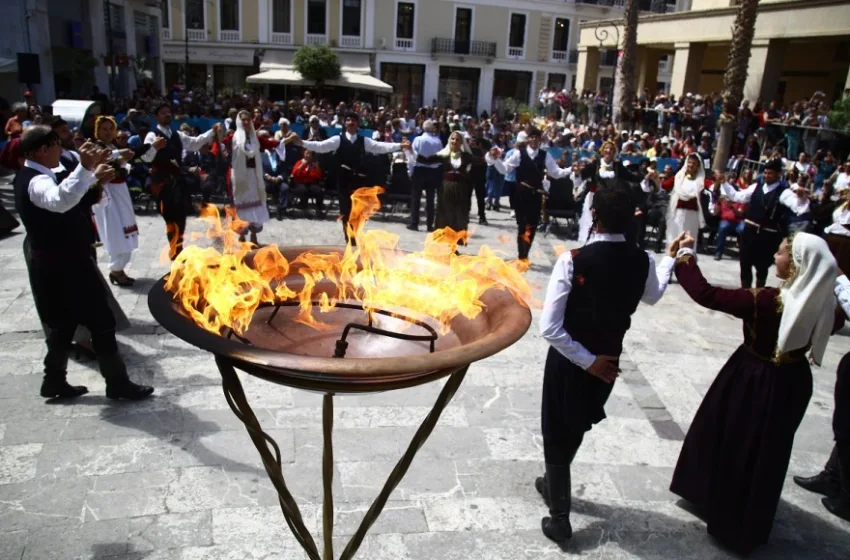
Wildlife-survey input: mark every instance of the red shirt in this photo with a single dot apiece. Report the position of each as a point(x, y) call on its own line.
point(307, 173)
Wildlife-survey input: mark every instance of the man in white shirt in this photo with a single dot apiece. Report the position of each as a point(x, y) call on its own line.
point(532, 165)
point(426, 176)
point(592, 294)
point(350, 148)
point(67, 287)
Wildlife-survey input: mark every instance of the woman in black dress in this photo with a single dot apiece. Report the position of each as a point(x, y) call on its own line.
point(735, 456)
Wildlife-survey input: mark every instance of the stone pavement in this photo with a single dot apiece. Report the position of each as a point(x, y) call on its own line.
point(176, 477)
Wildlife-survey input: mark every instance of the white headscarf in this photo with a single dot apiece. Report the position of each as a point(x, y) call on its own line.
point(447, 150)
point(808, 299)
point(688, 189)
point(241, 138)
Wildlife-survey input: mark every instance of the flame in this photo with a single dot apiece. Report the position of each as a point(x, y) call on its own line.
point(503, 239)
point(526, 236)
point(223, 288)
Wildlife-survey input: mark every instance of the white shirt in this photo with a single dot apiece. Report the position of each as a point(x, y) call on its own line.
point(510, 163)
point(427, 145)
point(840, 218)
point(190, 143)
point(332, 145)
point(842, 292)
point(46, 194)
point(746, 194)
point(560, 284)
point(790, 199)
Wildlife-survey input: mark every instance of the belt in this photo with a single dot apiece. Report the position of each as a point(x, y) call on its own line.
point(537, 190)
point(759, 227)
point(352, 171)
point(452, 176)
point(691, 204)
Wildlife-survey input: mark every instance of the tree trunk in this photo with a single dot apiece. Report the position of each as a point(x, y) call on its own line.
point(735, 78)
point(628, 61)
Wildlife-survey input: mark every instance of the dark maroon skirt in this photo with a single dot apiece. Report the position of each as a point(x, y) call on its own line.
point(839, 246)
point(735, 456)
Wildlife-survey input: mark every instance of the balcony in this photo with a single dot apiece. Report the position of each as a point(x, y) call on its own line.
point(559, 56)
point(314, 39)
point(165, 34)
point(281, 38)
point(197, 34)
point(229, 35)
point(443, 45)
point(351, 42)
point(402, 44)
point(516, 52)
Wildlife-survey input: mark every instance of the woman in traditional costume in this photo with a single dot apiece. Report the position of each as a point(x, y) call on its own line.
point(684, 213)
point(246, 174)
point(607, 172)
point(735, 456)
point(114, 214)
point(454, 195)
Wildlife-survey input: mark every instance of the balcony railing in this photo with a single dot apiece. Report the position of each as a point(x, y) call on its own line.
point(281, 38)
point(165, 34)
point(404, 44)
point(574, 56)
point(559, 56)
point(229, 35)
point(315, 39)
point(197, 34)
point(444, 45)
point(516, 52)
point(351, 42)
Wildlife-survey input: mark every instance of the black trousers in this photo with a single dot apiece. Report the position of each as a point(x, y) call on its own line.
point(347, 183)
point(478, 178)
point(304, 193)
point(427, 179)
point(841, 415)
point(757, 250)
point(573, 401)
point(174, 202)
point(527, 205)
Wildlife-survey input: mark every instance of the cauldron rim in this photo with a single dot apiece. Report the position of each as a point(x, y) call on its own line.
point(356, 374)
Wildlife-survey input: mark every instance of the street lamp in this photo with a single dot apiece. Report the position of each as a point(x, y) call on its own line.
point(602, 35)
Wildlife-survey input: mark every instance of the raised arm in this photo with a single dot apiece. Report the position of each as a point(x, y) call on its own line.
point(738, 196)
point(553, 170)
point(321, 146)
point(508, 165)
point(195, 143)
point(739, 302)
point(380, 148)
point(46, 194)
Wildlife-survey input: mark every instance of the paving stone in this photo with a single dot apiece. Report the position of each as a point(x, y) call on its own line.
point(42, 503)
point(205, 488)
point(170, 531)
point(18, 462)
point(98, 457)
point(96, 539)
point(118, 496)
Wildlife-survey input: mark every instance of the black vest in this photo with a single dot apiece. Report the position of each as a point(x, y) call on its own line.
point(173, 150)
point(350, 153)
point(69, 234)
point(765, 209)
point(531, 171)
point(608, 282)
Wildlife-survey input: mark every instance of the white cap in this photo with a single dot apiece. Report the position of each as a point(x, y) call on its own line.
point(522, 136)
point(665, 140)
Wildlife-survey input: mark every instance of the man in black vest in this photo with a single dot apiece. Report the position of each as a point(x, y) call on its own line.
point(350, 149)
point(532, 164)
point(65, 280)
point(591, 297)
point(168, 183)
point(764, 222)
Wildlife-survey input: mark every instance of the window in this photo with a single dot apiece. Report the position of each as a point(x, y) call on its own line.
point(316, 17)
point(557, 81)
point(282, 16)
point(516, 37)
point(406, 20)
point(408, 81)
point(562, 35)
point(195, 14)
point(166, 15)
point(351, 18)
point(229, 14)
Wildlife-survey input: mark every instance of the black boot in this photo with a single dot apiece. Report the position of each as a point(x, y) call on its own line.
point(826, 482)
point(55, 370)
point(118, 384)
point(557, 526)
point(542, 486)
point(840, 504)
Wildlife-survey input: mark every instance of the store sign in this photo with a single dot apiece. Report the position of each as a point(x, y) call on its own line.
point(212, 55)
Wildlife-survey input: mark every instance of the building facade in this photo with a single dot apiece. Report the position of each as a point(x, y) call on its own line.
point(799, 47)
point(475, 54)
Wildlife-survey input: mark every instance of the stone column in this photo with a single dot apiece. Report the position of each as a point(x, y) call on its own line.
point(99, 44)
point(264, 22)
point(130, 32)
point(764, 70)
point(648, 70)
point(210, 76)
point(587, 73)
point(369, 24)
point(485, 89)
point(687, 66)
point(38, 33)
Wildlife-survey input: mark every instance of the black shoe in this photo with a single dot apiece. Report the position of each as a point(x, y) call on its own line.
point(280, 215)
point(557, 526)
point(412, 227)
point(483, 221)
point(543, 488)
point(431, 228)
point(61, 389)
point(126, 389)
point(822, 483)
point(838, 506)
point(718, 257)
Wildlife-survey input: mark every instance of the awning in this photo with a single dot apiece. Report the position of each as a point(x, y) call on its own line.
point(277, 68)
point(8, 65)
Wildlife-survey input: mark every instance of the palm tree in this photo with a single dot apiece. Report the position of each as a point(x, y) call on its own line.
point(735, 78)
point(627, 63)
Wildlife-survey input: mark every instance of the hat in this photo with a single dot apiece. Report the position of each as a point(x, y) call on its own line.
point(132, 111)
point(774, 165)
point(456, 118)
point(522, 136)
point(665, 140)
point(160, 106)
point(534, 131)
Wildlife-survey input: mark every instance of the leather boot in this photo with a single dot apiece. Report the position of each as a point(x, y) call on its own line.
point(557, 526)
point(118, 384)
point(826, 482)
point(55, 371)
point(542, 486)
point(840, 504)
